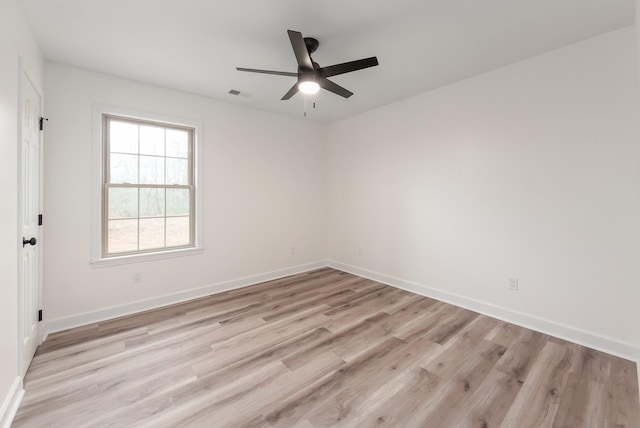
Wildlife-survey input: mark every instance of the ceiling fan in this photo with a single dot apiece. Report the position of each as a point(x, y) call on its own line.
point(312, 77)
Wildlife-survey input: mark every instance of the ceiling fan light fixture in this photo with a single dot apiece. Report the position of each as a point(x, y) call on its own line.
point(308, 87)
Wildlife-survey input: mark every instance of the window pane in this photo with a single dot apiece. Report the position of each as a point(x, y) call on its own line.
point(178, 202)
point(151, 202)
point(177, 143)
point(123, 203)
point(123, 137)
point(151, 140)
point(123, 236)
point(151, 170)
point(178, 231)
point(177, 171)
point(145, 215)
point(124, 168)
point(151, 233)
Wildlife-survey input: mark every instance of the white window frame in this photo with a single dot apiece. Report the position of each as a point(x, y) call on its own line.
point(97, 212)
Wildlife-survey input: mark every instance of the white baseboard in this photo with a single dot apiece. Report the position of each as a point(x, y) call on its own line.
point(11, 403)
point(552, 328)
point(66, 323)
point(570, 333)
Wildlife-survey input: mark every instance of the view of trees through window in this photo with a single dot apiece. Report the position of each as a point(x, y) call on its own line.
point(148, 186)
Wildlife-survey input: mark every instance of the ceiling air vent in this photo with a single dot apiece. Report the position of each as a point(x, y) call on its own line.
point(239, 93)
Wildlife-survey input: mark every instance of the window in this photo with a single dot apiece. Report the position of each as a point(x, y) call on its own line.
point(148, 186)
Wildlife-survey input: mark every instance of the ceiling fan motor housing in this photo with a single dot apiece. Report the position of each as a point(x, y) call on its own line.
point(312, 44)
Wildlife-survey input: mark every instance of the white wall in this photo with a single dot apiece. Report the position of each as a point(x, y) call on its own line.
point(531, 170)
point(15, 40)
point(264, 192)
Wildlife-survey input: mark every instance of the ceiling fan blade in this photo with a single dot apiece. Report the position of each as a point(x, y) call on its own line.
point(300, 49)
point(291, 92)
point(279, 73)
point(333, 87)
point(346, 67)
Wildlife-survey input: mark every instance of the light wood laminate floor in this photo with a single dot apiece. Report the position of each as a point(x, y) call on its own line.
point(323, 348)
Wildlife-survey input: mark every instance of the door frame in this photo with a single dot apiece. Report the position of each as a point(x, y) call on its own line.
point(23, 73)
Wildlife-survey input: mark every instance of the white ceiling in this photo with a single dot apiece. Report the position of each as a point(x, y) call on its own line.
point(195, 45)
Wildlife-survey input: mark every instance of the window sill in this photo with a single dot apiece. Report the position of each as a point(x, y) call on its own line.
point(137, 258)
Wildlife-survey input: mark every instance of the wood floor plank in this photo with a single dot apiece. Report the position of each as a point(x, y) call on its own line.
point(317, 349)
point(252, 342)
point(426, 322)
point(448, 358)
point(450, 326)
point(368, 364)
point(194, 343)
point(404, 395)
point(346, 403)
point(504, 333)
point(359, 336)
point(490, 402)
point(234, 411)
point(167, 409)
point(584, 403)
point(454, 394)
point(623, 391)
point(538, 400)
point(521, 354)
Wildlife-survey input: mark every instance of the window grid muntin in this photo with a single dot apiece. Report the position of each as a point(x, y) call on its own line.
point(107, 119)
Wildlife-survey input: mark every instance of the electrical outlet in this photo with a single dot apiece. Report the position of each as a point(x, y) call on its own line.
point(513, 283)
point(293, 250)
point(360, 251)
point(137, 277)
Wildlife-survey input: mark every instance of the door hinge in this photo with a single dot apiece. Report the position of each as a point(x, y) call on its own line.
point(39, 219)
point(42, 119)
point(40, 315)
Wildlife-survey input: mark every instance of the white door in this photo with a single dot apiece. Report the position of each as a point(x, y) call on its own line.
point(29, 193)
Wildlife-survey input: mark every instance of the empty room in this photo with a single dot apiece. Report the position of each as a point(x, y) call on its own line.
point(331, 214)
